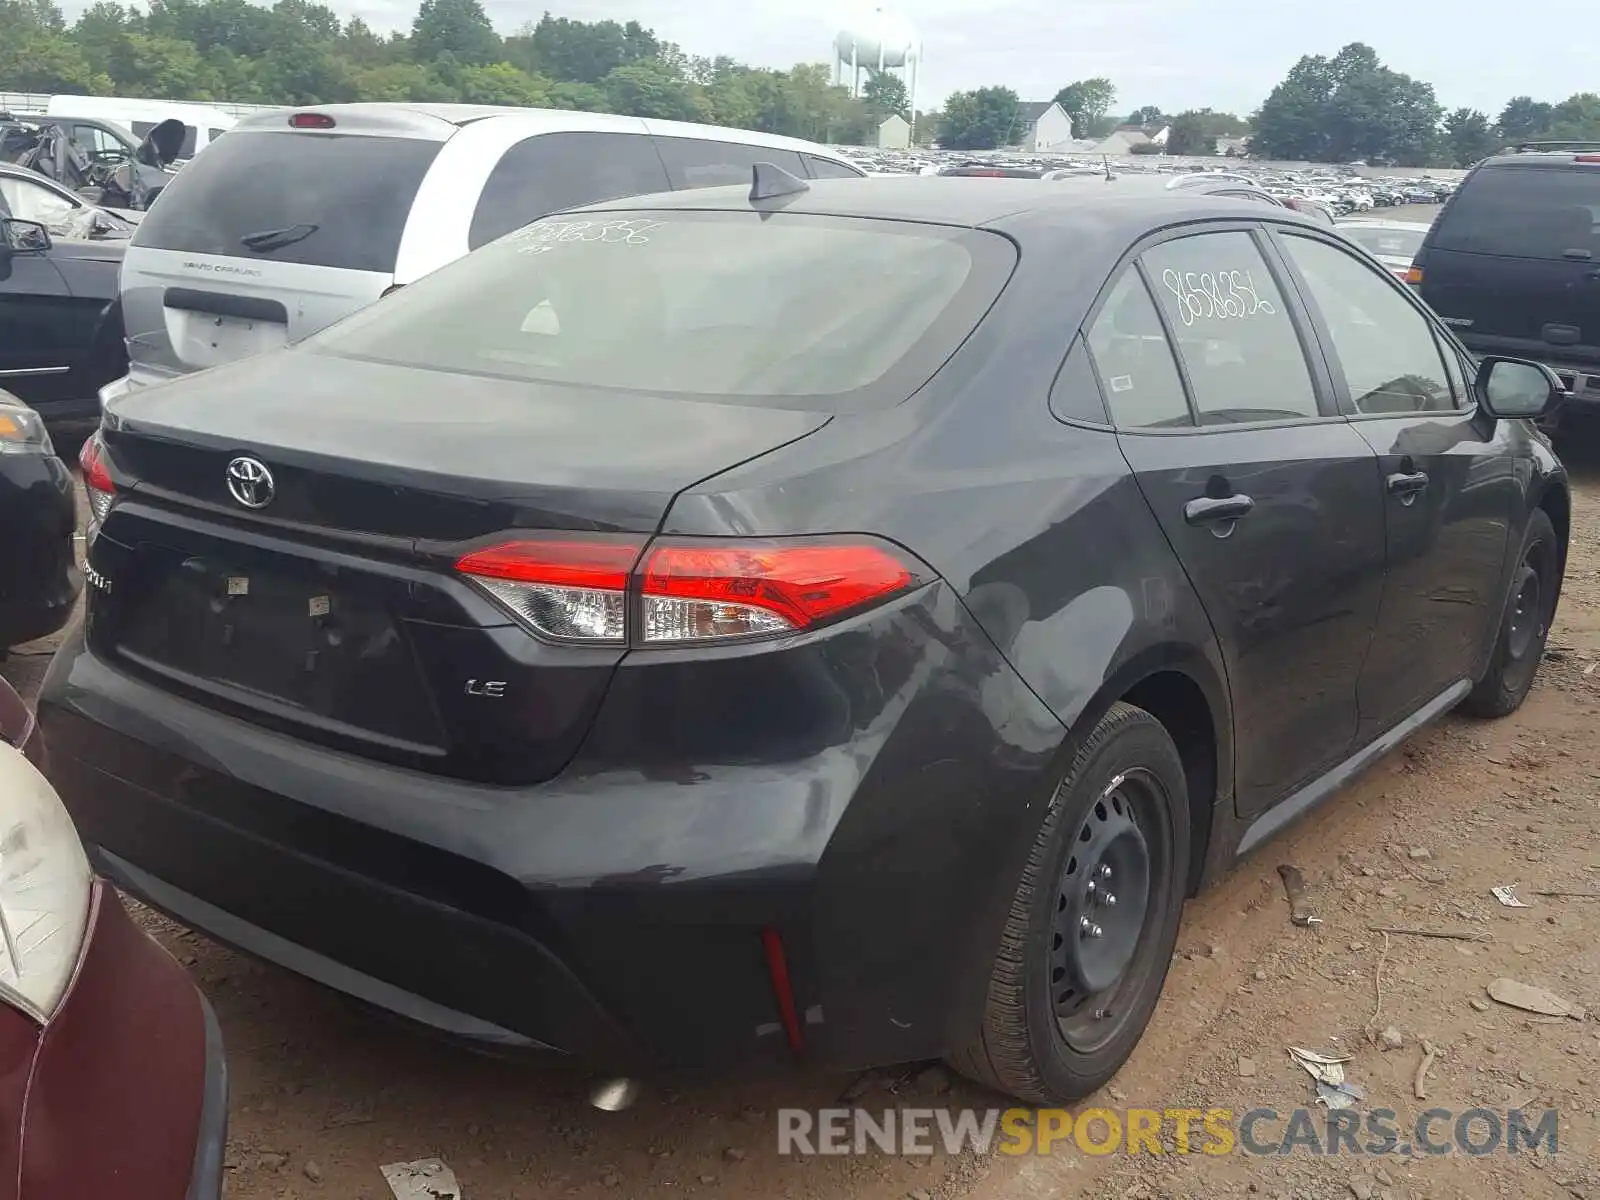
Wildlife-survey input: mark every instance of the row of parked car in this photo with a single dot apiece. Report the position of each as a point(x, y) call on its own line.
point(819, 619)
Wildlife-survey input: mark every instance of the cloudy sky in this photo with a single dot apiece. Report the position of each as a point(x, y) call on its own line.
point(1173, 53)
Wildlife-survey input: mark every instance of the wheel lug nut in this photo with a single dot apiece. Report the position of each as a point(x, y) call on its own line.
point(1091, 888)
point(1105, 871)
point(1085, 924)
point(1095, 931)
point(1108, 900)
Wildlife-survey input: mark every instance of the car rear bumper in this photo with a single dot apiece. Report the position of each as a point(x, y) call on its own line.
point(624, 914)
point(40, 580)
point(129, 1074)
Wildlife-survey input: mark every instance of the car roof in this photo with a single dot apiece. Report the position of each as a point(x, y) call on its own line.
point(439, 122)
point(1541, 160)
point(957, 200)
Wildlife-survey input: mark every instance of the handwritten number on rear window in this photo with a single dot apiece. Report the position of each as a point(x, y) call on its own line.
point(1215, 296)
point(545, 236)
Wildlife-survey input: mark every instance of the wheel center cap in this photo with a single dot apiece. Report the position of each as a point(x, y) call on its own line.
point(1106, 890)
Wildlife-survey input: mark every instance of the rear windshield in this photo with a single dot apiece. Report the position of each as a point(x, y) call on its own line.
point(1386, 243)
point(1523, 212)
point(785, 310)
point(327, 200)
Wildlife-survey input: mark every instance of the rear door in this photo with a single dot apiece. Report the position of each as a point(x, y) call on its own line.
point(1450, 479)
point(39, 336)
point(1513, 263)
point(1268, 497)
point(267, 238)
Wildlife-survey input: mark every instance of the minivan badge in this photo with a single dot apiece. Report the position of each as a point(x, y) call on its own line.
point(250, 483)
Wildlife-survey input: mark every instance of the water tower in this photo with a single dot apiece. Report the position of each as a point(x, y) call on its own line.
point(876, 37)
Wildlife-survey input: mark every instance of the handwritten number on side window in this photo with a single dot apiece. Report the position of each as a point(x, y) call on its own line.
point(1216, 296)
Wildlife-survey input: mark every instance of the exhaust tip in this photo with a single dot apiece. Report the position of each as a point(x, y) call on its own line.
point(614, 1095)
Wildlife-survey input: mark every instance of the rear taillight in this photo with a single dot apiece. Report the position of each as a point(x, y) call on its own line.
point(567, 589)
point(310, 120)
point(96, 481)
point(688, 590)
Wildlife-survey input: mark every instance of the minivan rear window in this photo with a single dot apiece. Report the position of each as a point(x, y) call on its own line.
point(326, 200)
point(770, 309)
point(1523, 212)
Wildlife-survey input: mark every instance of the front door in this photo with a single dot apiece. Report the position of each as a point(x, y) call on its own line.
point(1269, 499)
point(37, 335)
point(1450, 487)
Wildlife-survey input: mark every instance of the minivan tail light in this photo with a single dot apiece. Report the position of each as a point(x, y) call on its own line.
point(567, 589)
point(688, 590)
point(310, 120)
point(1587, 158)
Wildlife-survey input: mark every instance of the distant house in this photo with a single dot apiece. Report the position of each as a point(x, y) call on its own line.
point(1043, 125)
point(1233, 147)
point(1122, 141)
point(894, 133)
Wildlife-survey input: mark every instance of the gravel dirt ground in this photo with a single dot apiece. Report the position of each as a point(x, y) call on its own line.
point(324, 1091)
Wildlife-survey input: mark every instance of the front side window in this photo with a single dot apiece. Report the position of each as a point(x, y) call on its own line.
point(1390, 358)
point(554, 171)
point(696, 163)
point(1133, 359)
point(1233, 330)
point(27, 201)
point(735, 306)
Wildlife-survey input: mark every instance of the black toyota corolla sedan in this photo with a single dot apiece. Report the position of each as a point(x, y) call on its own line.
point(833, 623)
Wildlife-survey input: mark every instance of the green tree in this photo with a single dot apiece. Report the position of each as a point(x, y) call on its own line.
point(1190, 133)
point(1087, 102)
point(151, 65)
point(30, 16)
point(652, 89)
point(1349, 107)
point(981, 120)
point(503, 83)
point(1148, 115)
point(884, 94)
point(1577, 118)
point(34, 60)
point(1524, 119)
point(1468, 137)
point(459, 28)
point(582, 51)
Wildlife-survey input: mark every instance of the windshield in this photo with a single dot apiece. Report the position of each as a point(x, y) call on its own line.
point(326, 200)
point(1387, 243)
point(722, 305)
point(1523, 212)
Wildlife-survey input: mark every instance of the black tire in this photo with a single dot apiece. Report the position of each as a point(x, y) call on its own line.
point(1525, 625)
point(1127, 766)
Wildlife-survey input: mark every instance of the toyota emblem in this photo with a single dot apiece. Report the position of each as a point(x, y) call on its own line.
point(250, 483)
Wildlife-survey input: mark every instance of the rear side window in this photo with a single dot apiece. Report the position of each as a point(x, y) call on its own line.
point(1386, 347)
point(1133, 359)
point(1233, 329)
point(737, 306)
point(693, 163)
point(553, 171)
point(826, 168)
point(327, 200)
point(1523, 212)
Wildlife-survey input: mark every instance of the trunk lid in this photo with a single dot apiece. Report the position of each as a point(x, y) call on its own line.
point(333, 612)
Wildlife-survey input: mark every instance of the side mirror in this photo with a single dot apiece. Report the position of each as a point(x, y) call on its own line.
point(1517, 388)
point(24, 237)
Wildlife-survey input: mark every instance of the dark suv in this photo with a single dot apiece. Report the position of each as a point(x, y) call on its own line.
point(1513, 262)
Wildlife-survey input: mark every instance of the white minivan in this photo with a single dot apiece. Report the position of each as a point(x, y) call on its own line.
point(202, 125)
point(300, 217)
